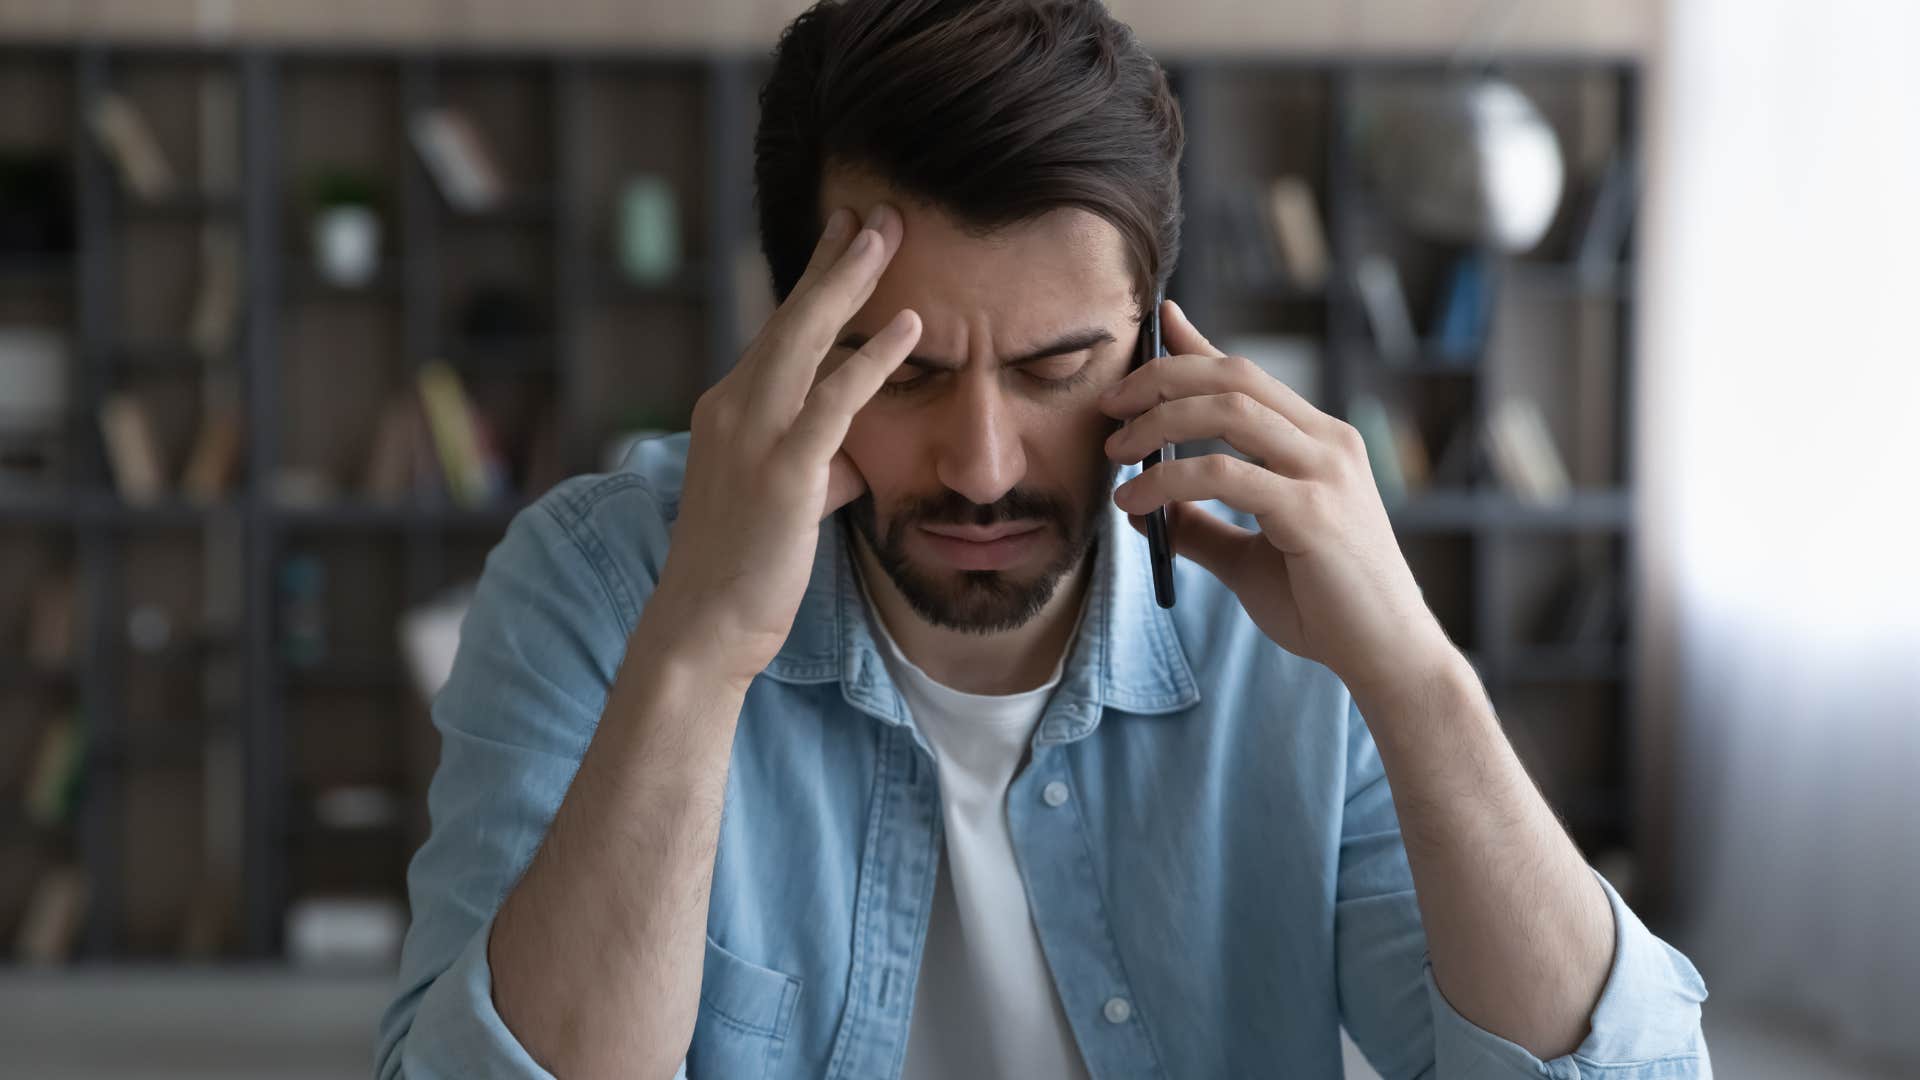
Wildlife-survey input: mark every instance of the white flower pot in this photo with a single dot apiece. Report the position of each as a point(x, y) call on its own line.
point(346, 244)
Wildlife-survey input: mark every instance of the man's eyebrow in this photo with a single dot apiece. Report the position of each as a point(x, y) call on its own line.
point(1073, 342)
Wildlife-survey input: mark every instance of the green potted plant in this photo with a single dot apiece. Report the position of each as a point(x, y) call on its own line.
point(346, 227)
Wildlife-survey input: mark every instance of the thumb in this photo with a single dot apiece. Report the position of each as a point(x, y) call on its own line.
point(1180, 336)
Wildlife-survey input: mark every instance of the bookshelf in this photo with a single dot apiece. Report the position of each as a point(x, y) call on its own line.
point(209, 752)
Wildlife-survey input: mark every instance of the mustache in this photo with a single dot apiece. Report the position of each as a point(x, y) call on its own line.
point(952, 508)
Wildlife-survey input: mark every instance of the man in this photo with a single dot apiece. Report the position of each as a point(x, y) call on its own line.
point(842, 735)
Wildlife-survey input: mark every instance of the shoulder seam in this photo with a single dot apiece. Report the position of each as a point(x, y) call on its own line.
point(618, 590)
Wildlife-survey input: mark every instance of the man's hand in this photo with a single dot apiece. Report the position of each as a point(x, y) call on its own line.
point(764, 464)
point(1324, 576)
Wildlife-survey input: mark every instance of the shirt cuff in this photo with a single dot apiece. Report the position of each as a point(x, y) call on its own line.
point(457, 1032)
point(1646, 1025)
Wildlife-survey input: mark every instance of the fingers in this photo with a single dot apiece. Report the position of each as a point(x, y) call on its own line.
point(1284, 506)
point(1179, 335)
point(1247, 425)
point(1215, 544)
point(835, 236)
point(1203, 370)
point(830, 408)
point(799, 335)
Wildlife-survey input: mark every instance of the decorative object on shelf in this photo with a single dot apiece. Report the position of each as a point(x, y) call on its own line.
point(457, 156)
point(149, 628)
point(430, 636)
point(1293, 215)
point(139, 471)
point(346, 227)
point(356, 932)
point(55, 911)
point(33, 404)
point(1467, 160)
point(129, 143)
point(649, 230)
point(303, 610)
point(36, 205)
point(1523, 453)
point(1377, 281)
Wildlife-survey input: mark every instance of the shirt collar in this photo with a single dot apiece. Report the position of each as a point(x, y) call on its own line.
point(1127, 654)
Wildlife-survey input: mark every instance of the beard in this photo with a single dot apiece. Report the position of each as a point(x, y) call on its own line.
point(982, 601)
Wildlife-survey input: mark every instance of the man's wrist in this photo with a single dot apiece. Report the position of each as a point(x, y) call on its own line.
point(1427, 686)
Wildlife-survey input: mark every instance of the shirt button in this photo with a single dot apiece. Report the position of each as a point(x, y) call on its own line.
point(1054, 793)
point(1117, 1010)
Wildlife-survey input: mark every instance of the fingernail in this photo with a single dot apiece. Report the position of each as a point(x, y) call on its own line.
point(864, 241)
point(875, 215)
point(1177, 309)
point(837, 223)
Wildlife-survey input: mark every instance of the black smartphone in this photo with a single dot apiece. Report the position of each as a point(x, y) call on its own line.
point(1159, 533)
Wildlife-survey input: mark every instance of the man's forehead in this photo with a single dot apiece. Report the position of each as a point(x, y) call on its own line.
point(1067, 256)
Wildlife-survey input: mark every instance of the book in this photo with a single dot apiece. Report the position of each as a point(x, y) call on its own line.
point(53, 784)
point(216, 306)
point(129, 143)
point(458, 158)
point(1370, 417)
point(215, 457)
point(456, 436)
point(1602, 238)
point(1378, 283)
point(1295, 220)
point(133, 452)
point(55, 911)
point(1523, 453)
point(400, 441)
point(1465, 312)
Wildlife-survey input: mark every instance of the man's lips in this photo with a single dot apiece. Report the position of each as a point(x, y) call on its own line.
point(979, 534)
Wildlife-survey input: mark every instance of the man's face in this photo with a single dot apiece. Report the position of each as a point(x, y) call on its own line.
point(977, 433)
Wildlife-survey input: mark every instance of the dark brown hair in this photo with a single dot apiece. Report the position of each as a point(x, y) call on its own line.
point(994, 111)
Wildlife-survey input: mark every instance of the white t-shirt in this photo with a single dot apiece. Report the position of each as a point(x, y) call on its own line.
point(985, 1005)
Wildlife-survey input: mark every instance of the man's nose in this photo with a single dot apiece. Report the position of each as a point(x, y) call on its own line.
point(981, 456)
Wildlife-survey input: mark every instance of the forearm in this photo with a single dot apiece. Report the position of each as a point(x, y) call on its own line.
point(1519, 933)
point(597, 952)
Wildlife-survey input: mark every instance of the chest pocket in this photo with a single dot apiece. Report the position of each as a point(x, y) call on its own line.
point(745, 1011)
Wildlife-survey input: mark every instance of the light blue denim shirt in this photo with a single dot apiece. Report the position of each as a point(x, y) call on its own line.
point(1207, 836)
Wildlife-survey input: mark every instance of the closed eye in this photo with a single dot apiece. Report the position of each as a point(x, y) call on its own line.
point(1050, 375)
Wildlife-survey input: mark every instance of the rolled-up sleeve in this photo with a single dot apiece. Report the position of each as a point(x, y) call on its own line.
point(1645, 1026)
point(538, 649)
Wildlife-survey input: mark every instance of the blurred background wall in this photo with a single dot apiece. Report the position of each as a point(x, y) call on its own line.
point(1651, 454)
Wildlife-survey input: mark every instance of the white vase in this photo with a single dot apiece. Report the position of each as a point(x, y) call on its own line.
point(346, 244)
